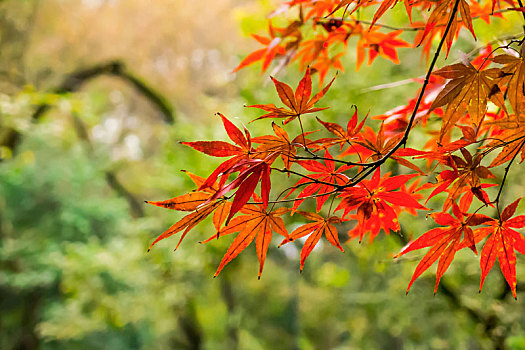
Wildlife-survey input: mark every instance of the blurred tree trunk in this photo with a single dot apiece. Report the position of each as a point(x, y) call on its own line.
point(229, 299)
point(28, 339)
point(191, 327)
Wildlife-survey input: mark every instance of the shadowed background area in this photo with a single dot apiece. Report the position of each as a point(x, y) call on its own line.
point(95, 96)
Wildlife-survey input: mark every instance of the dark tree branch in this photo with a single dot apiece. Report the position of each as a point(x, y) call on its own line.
point(74, 82)
point(517, 151)
point(191, 327)
point(135, 206)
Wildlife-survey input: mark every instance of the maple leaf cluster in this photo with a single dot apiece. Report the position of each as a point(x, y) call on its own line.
point(471, 112)
point(318, 38)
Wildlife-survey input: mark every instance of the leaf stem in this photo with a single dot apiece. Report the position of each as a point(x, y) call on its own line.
point(414, 29)
point(518, 149)
point(404, 139)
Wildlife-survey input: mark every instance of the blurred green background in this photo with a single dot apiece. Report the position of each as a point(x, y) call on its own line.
point(87, 91)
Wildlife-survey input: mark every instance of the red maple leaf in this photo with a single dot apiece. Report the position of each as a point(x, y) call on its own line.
point(251, 169)
point(342, 136)
point(240, 150)
point(465, 175)
point(368, 145)
point(371, 197)
point(445, 241)
point(502, 242)
point(320, 178)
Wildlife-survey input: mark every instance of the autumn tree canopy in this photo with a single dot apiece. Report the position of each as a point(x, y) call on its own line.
point(471, 113)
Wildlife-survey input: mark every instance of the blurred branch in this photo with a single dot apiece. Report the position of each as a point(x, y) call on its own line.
point(191, 327)
point(135, 206)
point(74, 81)
point(229, 300)
point(28, 338)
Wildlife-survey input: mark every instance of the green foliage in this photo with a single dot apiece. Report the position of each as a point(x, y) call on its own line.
point(74, 272)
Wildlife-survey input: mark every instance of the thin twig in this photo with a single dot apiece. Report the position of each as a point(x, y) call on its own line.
point(75, 80)
point(404, 139)
point(518, 149)
point(371, 167)
point(304, 176)
point(413, 80)
point(388, 26)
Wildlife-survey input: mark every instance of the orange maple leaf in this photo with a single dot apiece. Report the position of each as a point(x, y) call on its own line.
point(380, 44)
point(371, 197)
point(315, 229)
point(325, 174)
point(280, 145)
point(273, 46)
point(190, 202)
point(255, 223)
point(342, 136)
point(468, 90)
point(502, 242)
point(297, 103)
point(445, 241)
point(440, 16)
point(514, 69)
